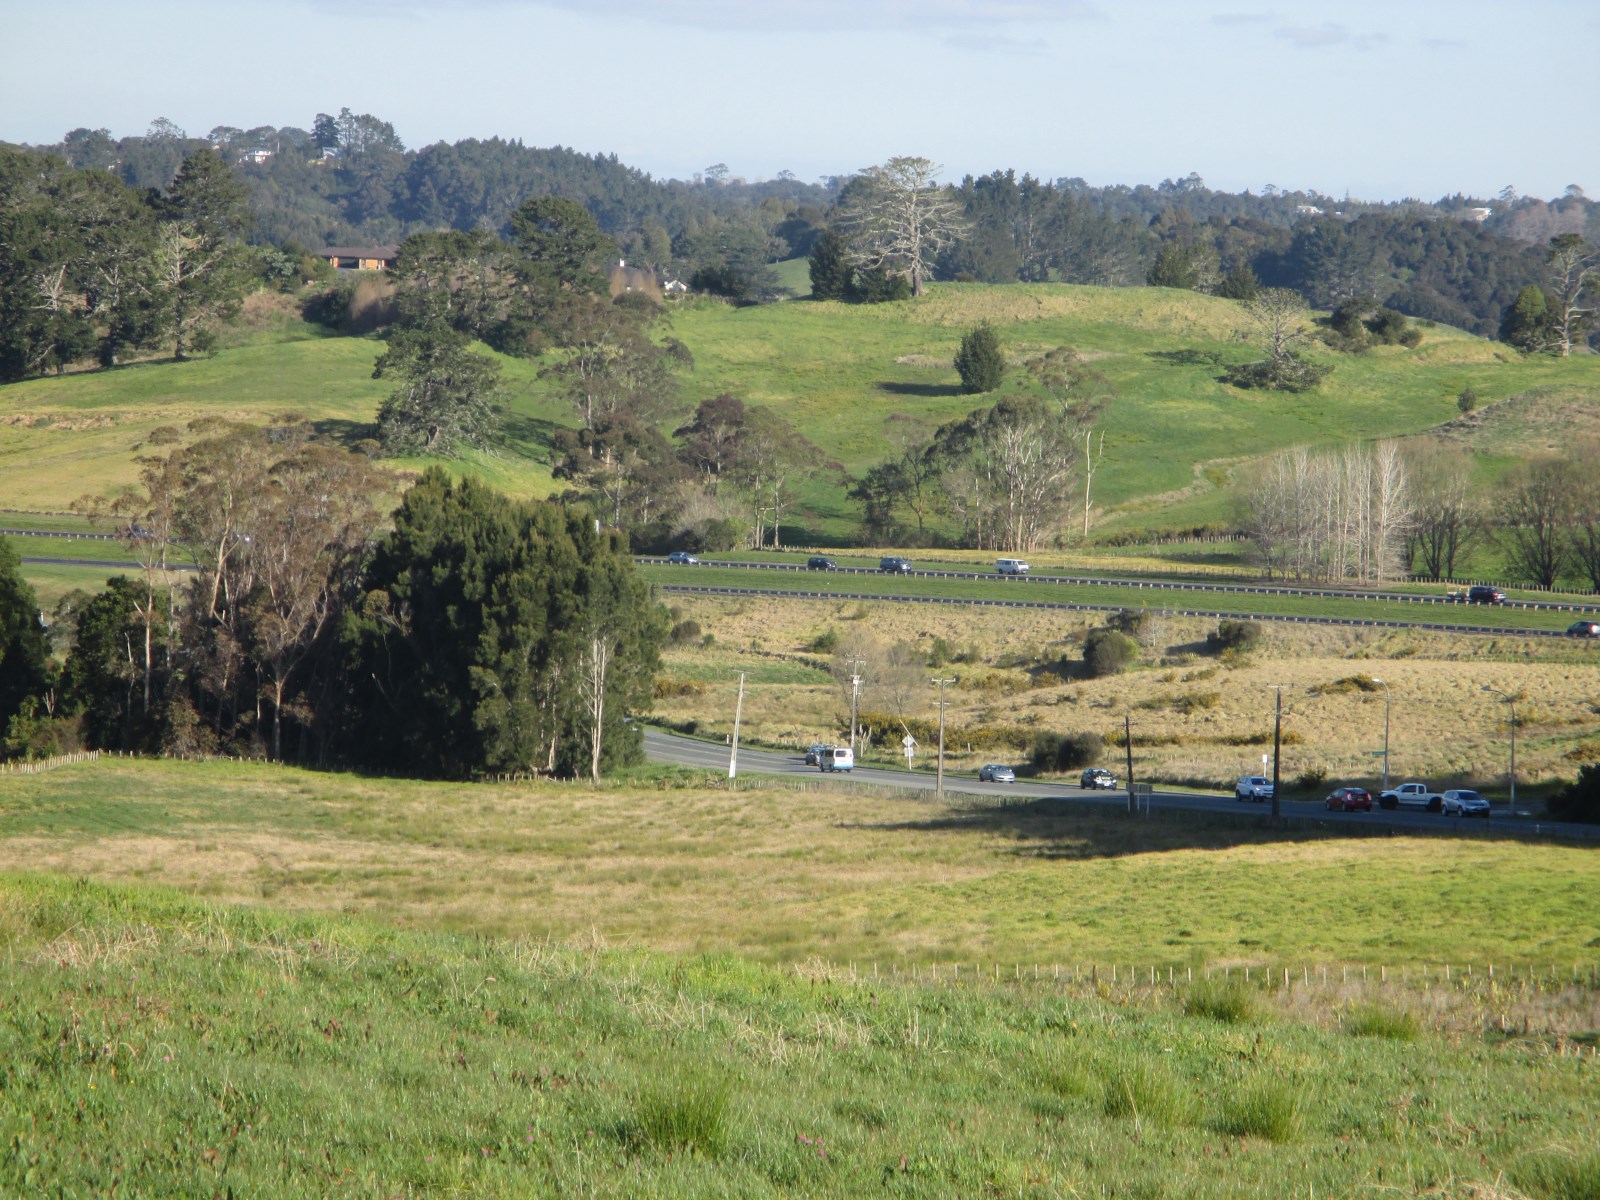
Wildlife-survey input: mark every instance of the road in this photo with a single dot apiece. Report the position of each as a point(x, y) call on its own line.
point(664, 747)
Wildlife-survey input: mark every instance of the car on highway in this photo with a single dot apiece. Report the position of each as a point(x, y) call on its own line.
point(996, 773)
point(683, 557)
point(1584, 629)
point(1253, 787)
point(1412, 795)
point(1350, 799)
point(837, 758)
point(1485, 595)
point(1098, 778)
point(819, 563)
point(1011, 566)
point(814, 754)
point(894, 564)
point(1463, 802)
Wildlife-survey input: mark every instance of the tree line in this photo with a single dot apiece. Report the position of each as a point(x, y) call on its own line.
point(1366, 514)
point(474, 635)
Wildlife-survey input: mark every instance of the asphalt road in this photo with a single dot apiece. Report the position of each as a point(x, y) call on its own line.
point(664, 747)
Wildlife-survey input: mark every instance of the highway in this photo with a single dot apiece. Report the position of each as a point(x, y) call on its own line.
point(663, 747)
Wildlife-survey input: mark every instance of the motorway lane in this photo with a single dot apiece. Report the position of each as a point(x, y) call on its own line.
point(664, 747)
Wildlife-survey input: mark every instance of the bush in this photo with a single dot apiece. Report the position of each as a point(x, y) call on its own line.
point(825, 642)
point(1310, 779)
point(1065, 752)
point(1580, 799)
point(685, 631)
point(1242, 636)
point(1467, 401)
point(1138, 623)
point(1107, 652)
point(979, 362)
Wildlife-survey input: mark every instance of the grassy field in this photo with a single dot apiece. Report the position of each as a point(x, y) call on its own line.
point(1197, 719)
point(649, 1015)
point(872, 377)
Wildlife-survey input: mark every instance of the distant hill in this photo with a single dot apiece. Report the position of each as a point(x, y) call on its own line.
point(858, 381)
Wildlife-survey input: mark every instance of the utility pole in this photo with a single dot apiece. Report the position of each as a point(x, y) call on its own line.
point(855, 661)
point(738, 712)
point(1385, 687)
point(1277, 746)
point(938, 786)
point(1127, 742)
point(1511, 703)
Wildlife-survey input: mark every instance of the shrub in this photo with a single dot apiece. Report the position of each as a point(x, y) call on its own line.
point(685, 631)
point(1241, 636)
point(1310, 779)
point(1467, 401)
point(1065, 752)
point(1580, 799)
point(825, 642)
point(1107, 652)
point(1141, 624)
point(668, 687)
point(1197, 702)
point(980, 362)
point(939, 652)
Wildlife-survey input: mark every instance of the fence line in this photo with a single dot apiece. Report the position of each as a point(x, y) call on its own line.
point(34, 766)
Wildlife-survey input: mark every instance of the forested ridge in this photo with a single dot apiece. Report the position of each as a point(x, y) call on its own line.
point(351, 180)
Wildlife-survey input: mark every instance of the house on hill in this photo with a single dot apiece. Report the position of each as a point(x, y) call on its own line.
point(361, 258)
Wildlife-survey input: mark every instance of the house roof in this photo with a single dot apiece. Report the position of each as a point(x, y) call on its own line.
point(360, 251)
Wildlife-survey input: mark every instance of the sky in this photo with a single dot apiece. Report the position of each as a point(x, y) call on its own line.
point(1370, 99)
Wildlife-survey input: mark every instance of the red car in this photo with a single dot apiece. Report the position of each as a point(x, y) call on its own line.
point(1350, 799)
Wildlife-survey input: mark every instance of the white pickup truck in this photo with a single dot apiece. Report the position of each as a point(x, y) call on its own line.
point(1412, 795)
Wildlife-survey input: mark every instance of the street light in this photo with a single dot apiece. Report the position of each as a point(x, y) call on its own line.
point(1385, 687)
point(1511, 702)
point(855, 662)
point(938, 786)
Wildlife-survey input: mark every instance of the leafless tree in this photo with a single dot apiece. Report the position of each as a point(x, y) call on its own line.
point(1574, 270)
point(1339, 516)
point(1447, 517)
point(1533, 517)
point(899, 218)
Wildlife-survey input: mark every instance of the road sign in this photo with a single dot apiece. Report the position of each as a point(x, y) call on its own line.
point(909, 742)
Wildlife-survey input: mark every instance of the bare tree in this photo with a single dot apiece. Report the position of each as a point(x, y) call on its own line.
point(1586, 517)
point(899, 218)
point(1533, 516)
point(1337, 516)
point(1447, 520)
point(1574, 269)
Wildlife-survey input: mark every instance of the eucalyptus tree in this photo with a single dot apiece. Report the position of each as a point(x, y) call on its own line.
point(898, 218)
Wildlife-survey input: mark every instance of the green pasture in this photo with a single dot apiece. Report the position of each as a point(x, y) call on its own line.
point(164, 1032)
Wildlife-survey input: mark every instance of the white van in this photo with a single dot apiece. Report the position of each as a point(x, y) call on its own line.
point(837, 758)
point(1011, 566)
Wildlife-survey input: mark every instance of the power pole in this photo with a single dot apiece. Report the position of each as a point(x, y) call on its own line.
point(855, 661)
point(738, 712)
point(1127, 742)
point(938, 786)
point(1277, 746)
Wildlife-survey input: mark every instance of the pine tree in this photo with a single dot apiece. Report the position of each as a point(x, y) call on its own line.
point(980, 361)
point(831, 272)
point(1526, 324)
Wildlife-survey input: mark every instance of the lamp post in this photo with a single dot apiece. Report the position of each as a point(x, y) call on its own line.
point(1511, 703)
point(938, 785)
point(855, 661)
point(1385, 687)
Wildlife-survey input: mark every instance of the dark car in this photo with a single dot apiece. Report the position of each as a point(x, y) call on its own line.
point(1584, 629)
point(1350, 799)
point(1098, 777)
point(894, 564)
point(1485, 595)
point(996, 773)
point(819, 563)
point(682, 556)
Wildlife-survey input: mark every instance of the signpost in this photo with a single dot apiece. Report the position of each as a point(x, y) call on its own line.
point(910, 744)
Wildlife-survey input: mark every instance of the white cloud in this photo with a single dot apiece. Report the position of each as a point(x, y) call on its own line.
point(1307, 37)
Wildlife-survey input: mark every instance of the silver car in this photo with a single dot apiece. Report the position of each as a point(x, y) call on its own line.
point(996, 773)
point(1253, 787)
point(1464, 802)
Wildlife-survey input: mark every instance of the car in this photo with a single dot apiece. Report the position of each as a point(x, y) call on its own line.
point(1098, 778)
point(1464, 802)
point(894, 564)
point(1485, 595)
point(1584, 629)
point(818, 563)
point(814, 754)
point(1011, 566)
point(1412, 795)
point(996, 773)
point(684, 557)
point(1253, 787)
point(1350, 799)
point(837, 758)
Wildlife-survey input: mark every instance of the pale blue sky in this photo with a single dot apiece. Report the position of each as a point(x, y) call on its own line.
point(1380, 99)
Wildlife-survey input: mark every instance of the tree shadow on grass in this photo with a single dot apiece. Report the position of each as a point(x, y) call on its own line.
point(521, 434)
point(929, 391)
point(344, 432)
point(1188, 358)
point(1066, 830)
